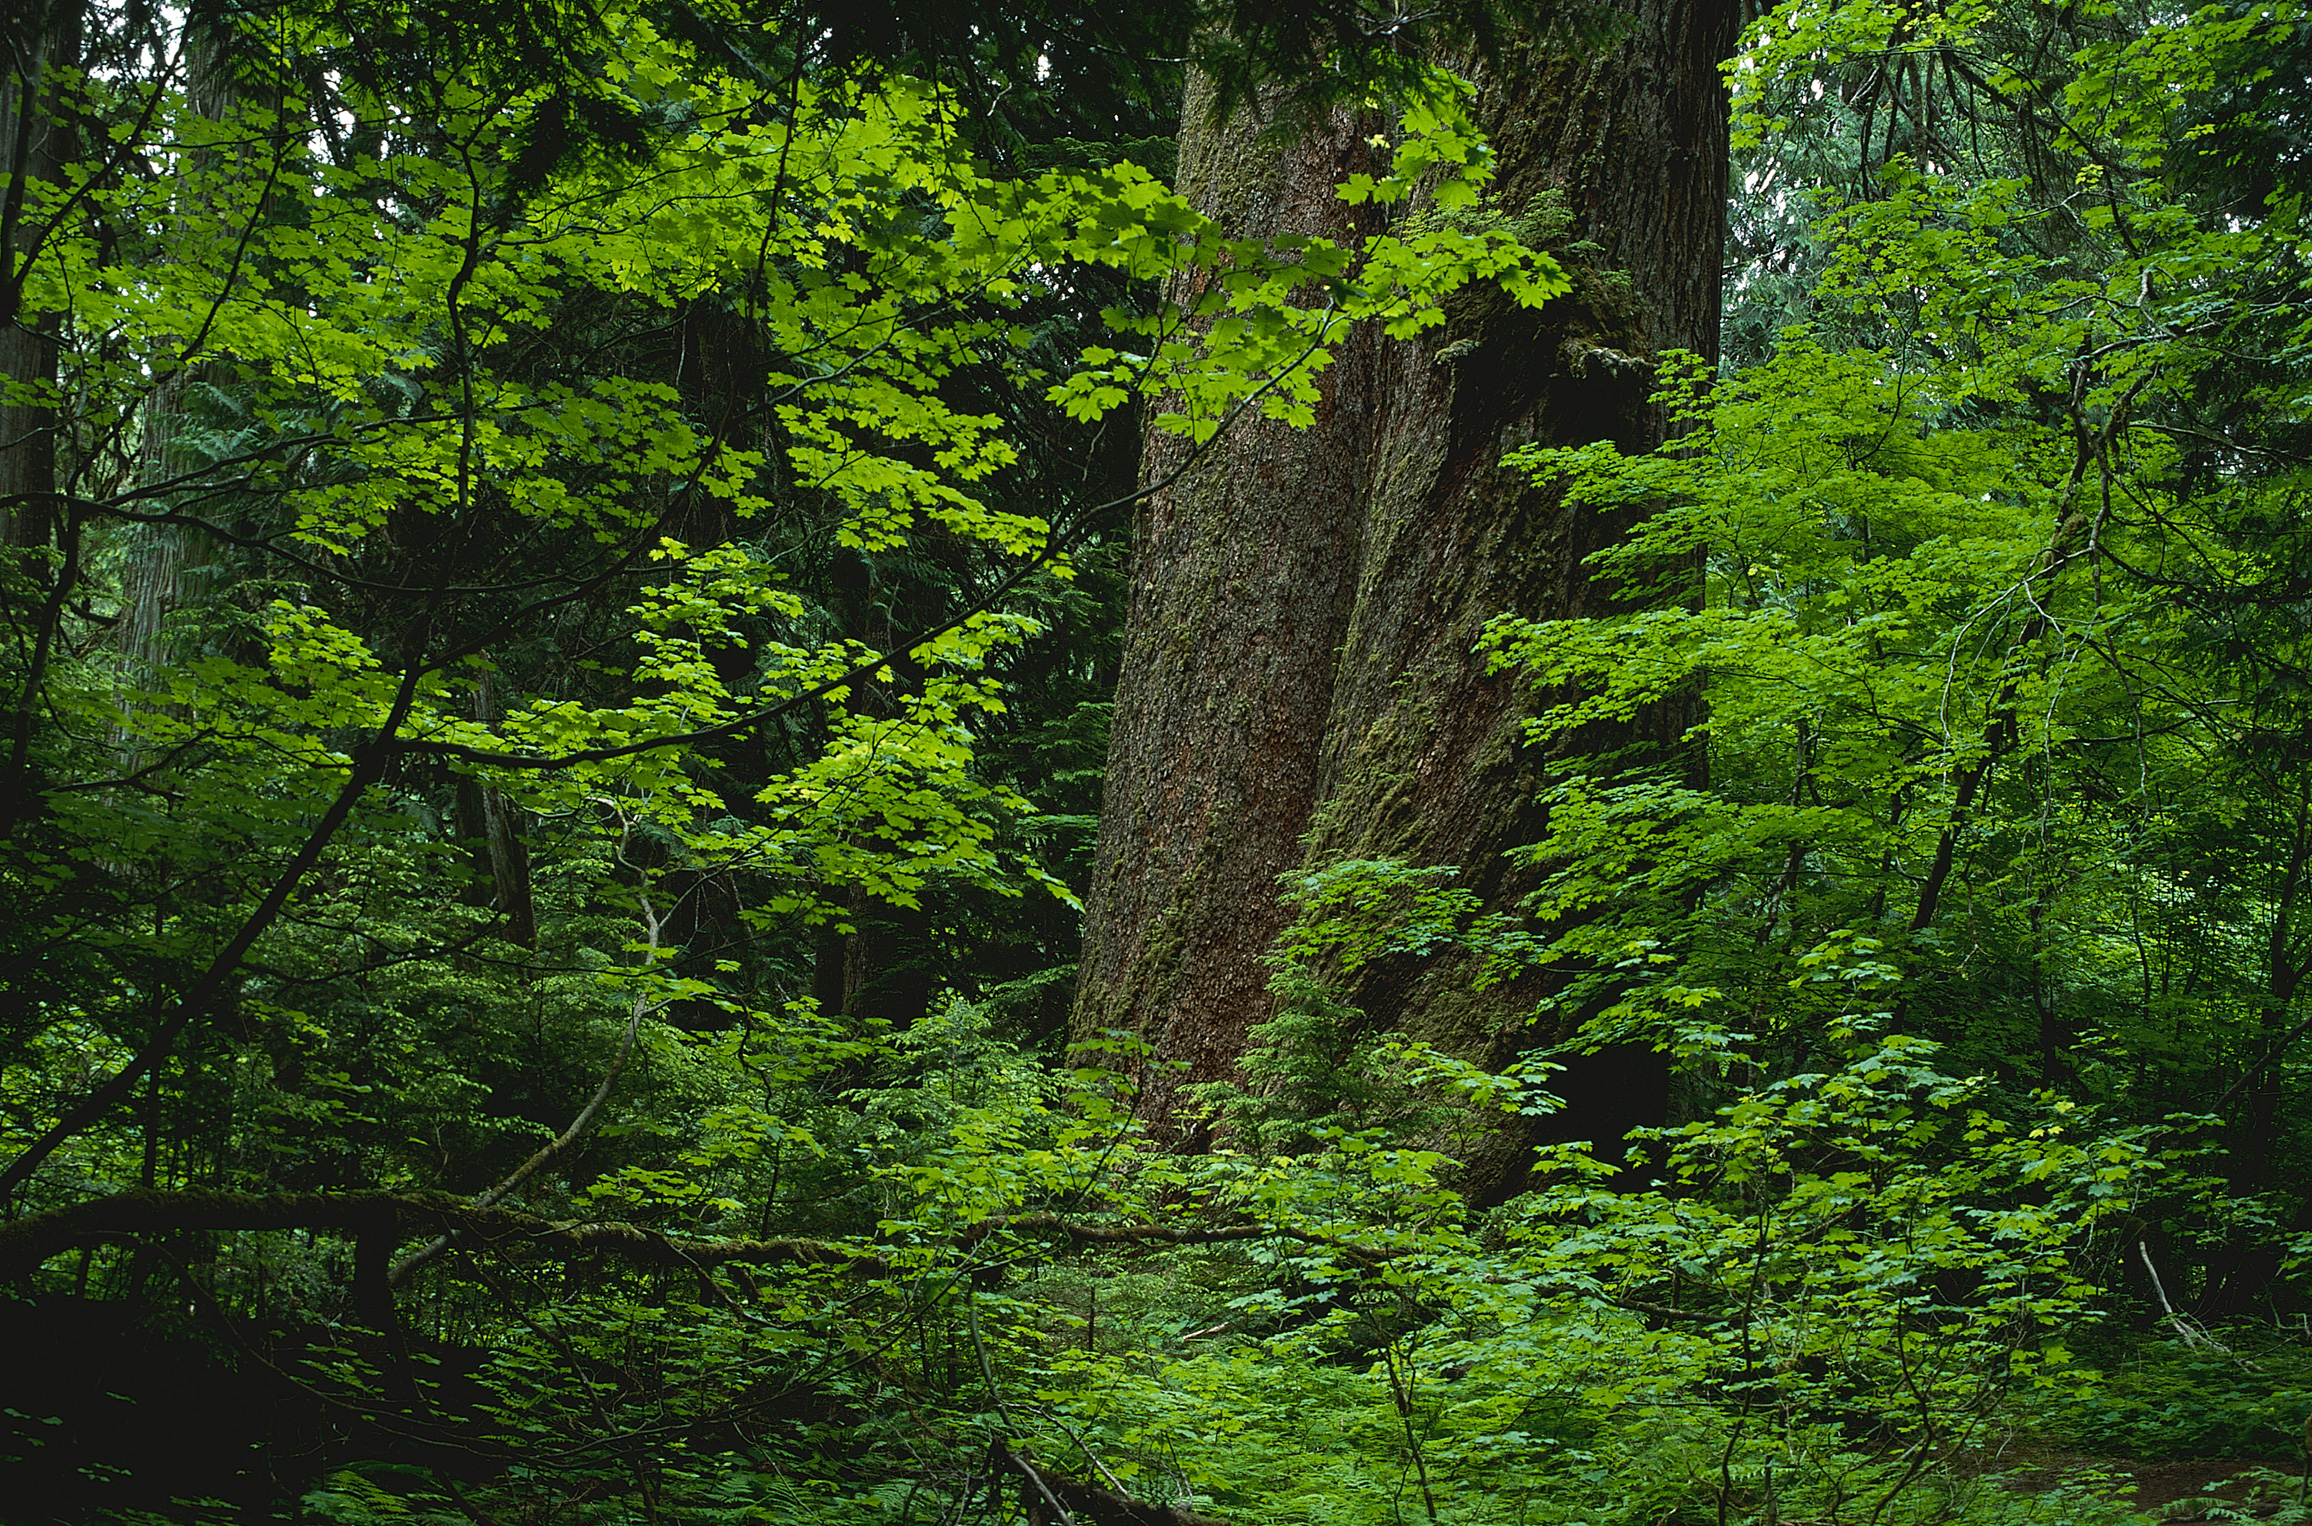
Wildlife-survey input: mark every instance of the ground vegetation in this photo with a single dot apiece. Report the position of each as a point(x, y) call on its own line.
point(567, 573)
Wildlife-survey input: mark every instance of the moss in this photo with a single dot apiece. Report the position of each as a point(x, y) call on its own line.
point(1544, 224)
point(1609, 291)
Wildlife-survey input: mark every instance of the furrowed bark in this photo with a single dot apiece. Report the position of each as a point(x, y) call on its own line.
point(1348, 571)
point(1241, 591)
point(1618, 160)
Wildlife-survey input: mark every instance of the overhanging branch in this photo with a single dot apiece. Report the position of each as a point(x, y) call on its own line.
point(27, 1242)
point(383, 1218)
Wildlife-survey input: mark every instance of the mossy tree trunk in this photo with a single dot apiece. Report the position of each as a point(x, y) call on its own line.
point(1298, 685)
point(1243, 580)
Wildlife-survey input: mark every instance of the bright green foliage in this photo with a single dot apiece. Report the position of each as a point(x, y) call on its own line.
point(1839, 1287)
point(387, 419)
point(542, 564)
point(456, 714)
point(1998, 636)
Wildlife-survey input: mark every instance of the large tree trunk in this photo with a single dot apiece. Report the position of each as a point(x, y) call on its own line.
point(1243, 579)
point(1298, 685)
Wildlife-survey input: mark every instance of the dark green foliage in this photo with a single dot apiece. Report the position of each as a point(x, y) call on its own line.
point(563, 687)
point(2245, 1396)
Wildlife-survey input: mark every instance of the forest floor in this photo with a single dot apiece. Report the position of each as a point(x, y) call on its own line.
point(2178, 1490)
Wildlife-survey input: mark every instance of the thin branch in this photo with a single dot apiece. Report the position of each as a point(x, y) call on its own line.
point(580, 1126)
point(369, 766)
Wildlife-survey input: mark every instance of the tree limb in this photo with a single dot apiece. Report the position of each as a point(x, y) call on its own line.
point(381, 1217)
point(25, 1243)
point(579, 1128)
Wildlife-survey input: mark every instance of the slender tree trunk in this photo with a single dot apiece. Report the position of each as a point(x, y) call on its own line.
point(170, 567)
point(37, 141)
point(163, 574)
point(493, 823)
point(1298, 685)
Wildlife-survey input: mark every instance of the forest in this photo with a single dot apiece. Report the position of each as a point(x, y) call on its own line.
point(1326, 762)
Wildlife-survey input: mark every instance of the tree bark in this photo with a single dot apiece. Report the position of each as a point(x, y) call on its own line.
point(1298, 685)
point(37, 141)
point(1243, 582)
point(171, 567)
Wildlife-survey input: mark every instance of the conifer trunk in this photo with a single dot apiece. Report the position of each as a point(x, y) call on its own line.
point(37, 141)
point(171, 567)
point(1243, 580)
point(1298, 685)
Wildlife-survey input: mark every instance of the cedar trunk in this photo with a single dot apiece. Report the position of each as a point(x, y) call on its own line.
point(1298, 685)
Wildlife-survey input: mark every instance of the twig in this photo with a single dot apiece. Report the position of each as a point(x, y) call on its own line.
point(2191, 1330)
point(580, 1126)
